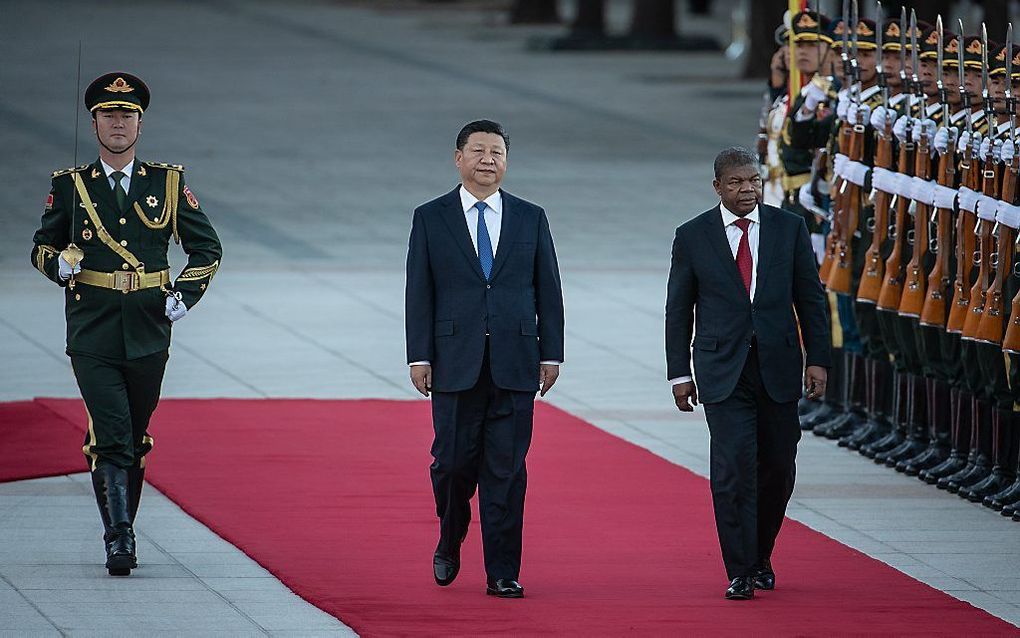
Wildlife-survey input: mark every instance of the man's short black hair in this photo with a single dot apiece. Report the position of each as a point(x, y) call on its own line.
point(481, 126)
point(733, 157)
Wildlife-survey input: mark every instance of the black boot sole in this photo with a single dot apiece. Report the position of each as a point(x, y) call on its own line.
point(120, 565)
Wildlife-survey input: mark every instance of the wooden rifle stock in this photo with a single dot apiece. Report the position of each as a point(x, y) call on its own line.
point(912, 298)
point(966, 244)
point(983, 236)
point(874, 265)
point(1011, 340)
point(837, 198)
point(892, 286)
point(934, 311)
point(990, 329)
point(839, 279)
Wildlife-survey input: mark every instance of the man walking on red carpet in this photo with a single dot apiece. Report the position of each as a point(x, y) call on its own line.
point(749, 271)
point(484, 323)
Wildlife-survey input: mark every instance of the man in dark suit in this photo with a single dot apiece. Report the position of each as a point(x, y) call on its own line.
point(484, 322)
point(749, 271)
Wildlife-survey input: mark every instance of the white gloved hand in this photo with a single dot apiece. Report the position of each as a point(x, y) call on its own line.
point(857, 173)
point(813, 96)
point(1008, 214)
point(968, 199)
point(964, 144)
point(863, 114)
point(842, 106)
point(985, 149)
point(942, 139)
point(900, 128)
point(839, 165)
point(975, 145)
point(64, 269)
point(945, 197)
point(806, 199)
point(1008, 151)
point(927, 128)
point(175, 308)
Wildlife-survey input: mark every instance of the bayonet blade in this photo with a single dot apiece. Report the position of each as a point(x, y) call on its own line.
point(985, 95)
point(913, 52)
point(939, 79)
point(964, 96)
point(1010, 100)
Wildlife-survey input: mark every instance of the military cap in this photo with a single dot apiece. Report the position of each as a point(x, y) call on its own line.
point(972, 51)
point(893, 29)
point(1015, 75)
point(950, 50)
point(997, 64)
point(866, 34)
point(808, 26)
point(929, 45)
point(117, 91)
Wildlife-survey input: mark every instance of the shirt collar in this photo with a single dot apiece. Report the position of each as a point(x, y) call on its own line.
point(494, 201)
point(1002, 128)
point(126, 170)
point(728, 217)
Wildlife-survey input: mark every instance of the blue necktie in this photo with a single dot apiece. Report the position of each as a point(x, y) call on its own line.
point(484, 242)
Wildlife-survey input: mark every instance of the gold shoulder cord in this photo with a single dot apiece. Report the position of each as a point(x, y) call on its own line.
point(101, 231)
point(173, 179)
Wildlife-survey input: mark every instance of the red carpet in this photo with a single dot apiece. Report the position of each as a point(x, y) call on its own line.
point(334, 498)
point(37, 442)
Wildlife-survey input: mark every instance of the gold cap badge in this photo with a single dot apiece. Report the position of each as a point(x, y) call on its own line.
point(120, 86)
point(893, 31)
point(806, 22)
point(974, 47)
point(864, 29)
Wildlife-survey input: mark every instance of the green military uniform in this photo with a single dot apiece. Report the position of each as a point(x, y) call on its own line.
point(116, 307)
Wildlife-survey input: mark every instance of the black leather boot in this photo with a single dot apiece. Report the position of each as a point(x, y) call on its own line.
point(937, 398)
point(1003, 459)
point(959, 436)
point(979, 464)
point(136, 479)
point(898, 417)
point(856, 387)
point(832, 406)
point(1011, 495)
point(916, 428)
point(877, 425)
point(110, 484)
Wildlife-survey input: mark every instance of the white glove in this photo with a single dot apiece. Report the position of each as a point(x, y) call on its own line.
point(863, 115)
point(987, 207)
point(984, 149)
point(943, 137)
point(842, 106)
point(839, 165)
point(964, 144)
point(1008, 214)
point(921, 190)
point(857, 173)
point(1008, 151)
point(883, 179)
point(64, 269)
point(944, 196)
point(882, 117)
point(968, 199)
point(975, 146)
point(806, 199)
point(899, 129)
point(813, 96)
point(926, 127)
point(175, 308)
point(904, 184)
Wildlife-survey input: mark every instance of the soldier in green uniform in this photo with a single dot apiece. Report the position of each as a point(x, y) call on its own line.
point(104, 238)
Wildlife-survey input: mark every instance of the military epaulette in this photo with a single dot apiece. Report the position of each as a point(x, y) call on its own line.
point(172, 167)
point(68, 171)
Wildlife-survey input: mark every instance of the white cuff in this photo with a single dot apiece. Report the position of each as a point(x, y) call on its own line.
point(1008, 214)
point(679, 380)
point(968, 199)
point(986, 207)
point(420, 363)
point(944, 196)
point(550, 363)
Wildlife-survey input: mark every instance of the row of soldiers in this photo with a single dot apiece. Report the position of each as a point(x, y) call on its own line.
point(900, 151)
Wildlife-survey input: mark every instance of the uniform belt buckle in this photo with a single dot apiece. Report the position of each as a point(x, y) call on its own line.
point(126, 281)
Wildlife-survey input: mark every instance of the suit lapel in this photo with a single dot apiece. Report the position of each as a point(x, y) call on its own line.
point(509, 225)
point(716, 235)
point(99, 188)
point(139, 183)
point(766, 245)
point(453, 216)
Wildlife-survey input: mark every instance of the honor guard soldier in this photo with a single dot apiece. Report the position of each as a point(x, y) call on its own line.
point(104, 237)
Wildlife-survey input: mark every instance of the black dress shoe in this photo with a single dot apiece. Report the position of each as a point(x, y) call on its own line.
point(445, 568)
point(764, 577)
point(504, 588)
point(741, 588)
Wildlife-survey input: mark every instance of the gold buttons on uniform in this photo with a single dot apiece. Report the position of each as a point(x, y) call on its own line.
point(123, 242)
point(85, 221)
point(125, 267)
point(77, 297)
point(122, 221)
point(155, 219)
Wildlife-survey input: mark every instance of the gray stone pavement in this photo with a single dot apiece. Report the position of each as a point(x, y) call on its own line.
point(310, 131)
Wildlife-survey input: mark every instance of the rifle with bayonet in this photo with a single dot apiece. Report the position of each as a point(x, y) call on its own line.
point(912, 299)
point(874, 265)
point(839, 279)
point(892, 286)
point(966, 241)
point(990, 184)
point(990, 329)
point(934, 311)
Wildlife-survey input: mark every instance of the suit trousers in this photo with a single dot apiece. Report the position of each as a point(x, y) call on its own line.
point(482, 436)
point(752, 468)
point(120, 396)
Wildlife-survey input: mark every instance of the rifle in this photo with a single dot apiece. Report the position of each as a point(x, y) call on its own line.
point(990, 329)
point(989, 187)
point(934, 311)
point(912, 299)
point(839, 279)
point(966, 221)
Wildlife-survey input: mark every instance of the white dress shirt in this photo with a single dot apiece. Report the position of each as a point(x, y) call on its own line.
point(125, 181)
point(493, 223)
point(733, 235)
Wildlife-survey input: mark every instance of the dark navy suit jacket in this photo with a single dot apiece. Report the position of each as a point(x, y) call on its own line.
point(704, 282)
point(450, 307)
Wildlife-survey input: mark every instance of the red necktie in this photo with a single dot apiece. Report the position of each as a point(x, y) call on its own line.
point(744, 261)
